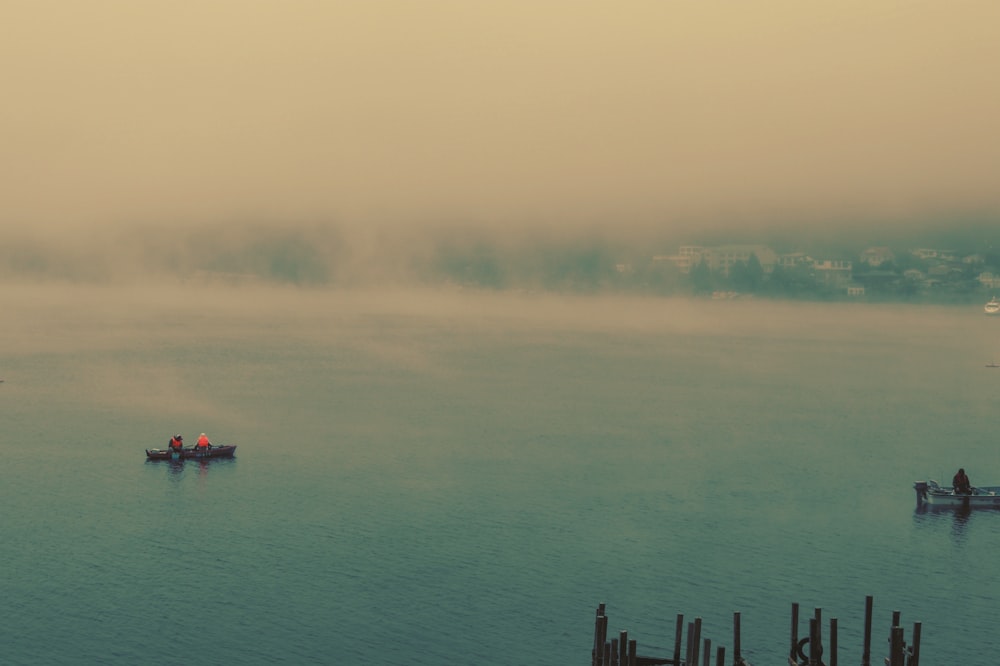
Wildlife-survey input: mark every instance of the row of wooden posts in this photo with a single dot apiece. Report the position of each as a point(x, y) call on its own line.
point(806, 650)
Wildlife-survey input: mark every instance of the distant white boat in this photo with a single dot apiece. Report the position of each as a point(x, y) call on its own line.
point(992, 307)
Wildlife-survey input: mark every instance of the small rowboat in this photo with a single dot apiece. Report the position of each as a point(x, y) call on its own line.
point(932, 494)
point(225, 451)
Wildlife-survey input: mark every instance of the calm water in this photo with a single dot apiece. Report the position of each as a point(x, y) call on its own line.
point(462, 478)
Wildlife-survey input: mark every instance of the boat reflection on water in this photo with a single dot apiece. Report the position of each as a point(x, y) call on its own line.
point(203, 457)
point(177, 467)
point(962, 518)
point(928, 514)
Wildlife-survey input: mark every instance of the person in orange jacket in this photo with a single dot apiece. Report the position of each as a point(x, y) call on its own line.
point(176, 443)
point(203, 443)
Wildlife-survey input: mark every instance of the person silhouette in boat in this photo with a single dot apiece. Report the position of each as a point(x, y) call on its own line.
point(960, 483)
point(203, 444)
point(177, 443)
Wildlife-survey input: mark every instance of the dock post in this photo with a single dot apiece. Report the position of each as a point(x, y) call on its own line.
point(816, 634)
point(598, 654)
point(833, 642)
point(896, 647)
point(614, 653)
point(897, 622)
point(604, 638)
point(814, 647)
point(736, 638)
point(633, 647)
point(688, 649)
point(866, 656)
point(792, 657)
point(915, 647)
point(720, 656)
point(623, 647)
point(678, 637)
point(706, 659)
point(696, 642)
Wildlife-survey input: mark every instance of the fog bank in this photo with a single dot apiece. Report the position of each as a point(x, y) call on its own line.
point(401, 115)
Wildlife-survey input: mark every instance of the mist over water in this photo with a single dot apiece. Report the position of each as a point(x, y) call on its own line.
point(253, 219)
point(429, 474)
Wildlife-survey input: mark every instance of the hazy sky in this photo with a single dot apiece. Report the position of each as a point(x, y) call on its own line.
point(486, 112)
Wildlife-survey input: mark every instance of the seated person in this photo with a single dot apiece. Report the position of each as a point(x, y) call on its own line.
point(960, 483)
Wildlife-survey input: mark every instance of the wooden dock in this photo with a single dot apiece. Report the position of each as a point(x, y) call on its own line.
point(808, 648)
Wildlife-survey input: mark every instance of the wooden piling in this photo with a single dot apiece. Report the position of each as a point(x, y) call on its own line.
point(793, 651)
point(688, 650)
point(813, 655)
point(678, 636)
point(896, 652)
point(736, 639)
point(598, 647)
point(915, 647)
point(816, 636)
point(604, 637)
point(623, 651)
point(833, 642)
point(696, 643)
point(866, 655)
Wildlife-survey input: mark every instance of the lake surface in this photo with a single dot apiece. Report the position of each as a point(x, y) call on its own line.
point(442, 478)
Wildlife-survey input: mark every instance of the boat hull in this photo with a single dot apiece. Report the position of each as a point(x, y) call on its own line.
point(931, 494)
point(226, 451)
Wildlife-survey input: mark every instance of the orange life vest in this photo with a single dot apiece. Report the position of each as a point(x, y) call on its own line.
point(203, 442)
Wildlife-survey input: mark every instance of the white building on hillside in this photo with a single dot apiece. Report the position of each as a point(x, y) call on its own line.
point(722, 258)
point(687, 256)
point(833, 271)
point(876, 256)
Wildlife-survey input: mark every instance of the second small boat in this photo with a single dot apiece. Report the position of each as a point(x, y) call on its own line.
point(931, 493)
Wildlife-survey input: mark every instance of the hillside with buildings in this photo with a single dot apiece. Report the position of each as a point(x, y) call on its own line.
point(866, 273)
point(874, 273)
point(958, 265)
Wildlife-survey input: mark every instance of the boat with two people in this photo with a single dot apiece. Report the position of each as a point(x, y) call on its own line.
point(992, 307)
point(192, 453)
